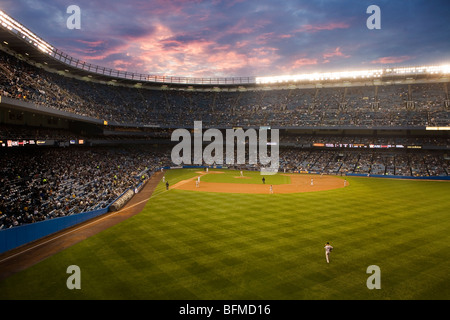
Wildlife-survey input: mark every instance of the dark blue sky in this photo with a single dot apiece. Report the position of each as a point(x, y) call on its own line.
point(242, 38)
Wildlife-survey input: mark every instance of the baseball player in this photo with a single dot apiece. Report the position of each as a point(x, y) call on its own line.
point(328, 249)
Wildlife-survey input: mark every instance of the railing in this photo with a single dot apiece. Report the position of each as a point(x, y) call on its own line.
point(76, 63)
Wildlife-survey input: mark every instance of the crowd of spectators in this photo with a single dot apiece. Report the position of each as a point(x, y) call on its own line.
point(366, 106)
point(308, 140)
point(366, 162)
point(43, 183)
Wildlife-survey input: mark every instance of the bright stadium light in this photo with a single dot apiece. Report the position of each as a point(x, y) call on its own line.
point(363, 74)
point(322, 76)
point(438, 128)
point(12, 25)
point(443, 69)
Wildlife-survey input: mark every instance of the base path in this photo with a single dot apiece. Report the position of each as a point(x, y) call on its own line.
point(27, 255)
point(299, 183)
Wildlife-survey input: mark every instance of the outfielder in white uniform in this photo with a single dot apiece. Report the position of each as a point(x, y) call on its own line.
point(328, 249)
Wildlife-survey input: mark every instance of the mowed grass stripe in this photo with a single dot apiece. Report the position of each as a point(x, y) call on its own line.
point(194, 245)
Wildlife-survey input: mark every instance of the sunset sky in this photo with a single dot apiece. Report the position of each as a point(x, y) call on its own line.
point(241, 38)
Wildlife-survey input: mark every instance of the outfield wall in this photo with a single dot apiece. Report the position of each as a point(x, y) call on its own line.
point(14, 237)
point(17, 236)
point(436, 178)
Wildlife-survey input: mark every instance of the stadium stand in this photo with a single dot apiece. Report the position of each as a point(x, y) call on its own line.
point(41, 184)
point(370, 106)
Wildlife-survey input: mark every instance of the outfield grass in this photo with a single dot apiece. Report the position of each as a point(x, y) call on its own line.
point(194, 245)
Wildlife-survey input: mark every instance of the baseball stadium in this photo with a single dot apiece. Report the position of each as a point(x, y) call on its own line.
point(89, 182)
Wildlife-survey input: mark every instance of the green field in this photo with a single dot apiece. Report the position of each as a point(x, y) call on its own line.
point(193, 245)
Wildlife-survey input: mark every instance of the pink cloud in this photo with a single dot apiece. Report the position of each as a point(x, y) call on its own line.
point(242, 27)
point(300, 63)
point(241, 44)
point(231, 3)
point(233, 62)
point(163, 53)
point(264, 38)
point(91, 43)
point(239, 28)
point(227, 60)
point(330, 26)
point(98, 56)
point(160, 53)
point(268, 36)
point(263, 57)
point(165, 7)
point(303, 62)
point(168, 50)
point(390, 60)
point(335, 53)
point(123, 65)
